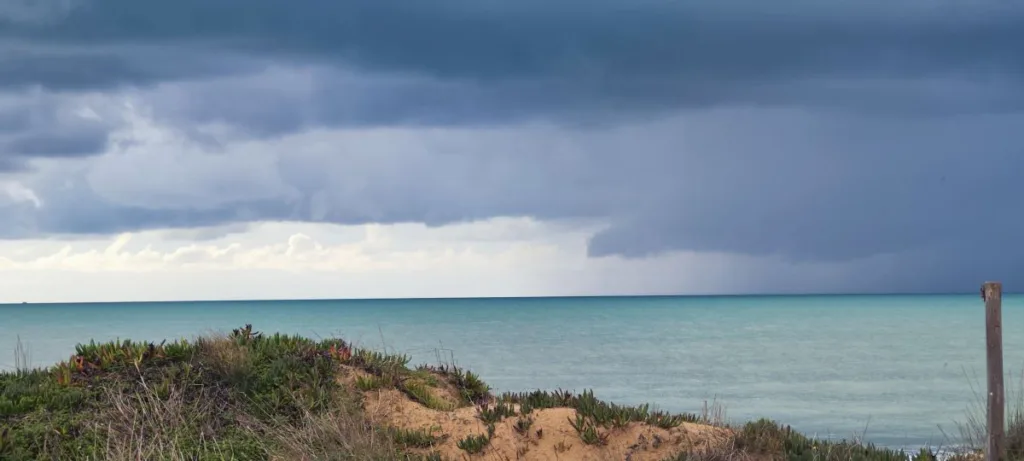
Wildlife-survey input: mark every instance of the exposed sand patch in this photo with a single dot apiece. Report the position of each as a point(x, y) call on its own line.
point(550, 437)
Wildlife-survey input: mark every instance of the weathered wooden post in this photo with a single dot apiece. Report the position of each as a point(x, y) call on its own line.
point(992, 292)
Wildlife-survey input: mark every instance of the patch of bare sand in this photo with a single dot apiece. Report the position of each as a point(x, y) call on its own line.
point(550, 437)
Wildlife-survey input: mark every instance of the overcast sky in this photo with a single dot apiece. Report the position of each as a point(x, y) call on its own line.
point(379, 148)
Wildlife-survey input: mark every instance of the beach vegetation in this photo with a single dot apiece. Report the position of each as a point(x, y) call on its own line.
point(416, 438)
point(244, 395)
point(248, 395)
point(588, 431)
point(475, 444)
point(472, 390)
point(973, 429)
point(494, 413)
point(368, 383)
point(425, 395)
point(767, 440)
point(523, 423)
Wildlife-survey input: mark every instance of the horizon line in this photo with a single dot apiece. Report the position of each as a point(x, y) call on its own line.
point(464, 298)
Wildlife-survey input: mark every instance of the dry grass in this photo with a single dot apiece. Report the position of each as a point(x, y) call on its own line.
point(973, 431)
point(141, 425)
point(342, 433)
point(713, 414)
point(22, 357)
point(170, 420)
point(224, 356)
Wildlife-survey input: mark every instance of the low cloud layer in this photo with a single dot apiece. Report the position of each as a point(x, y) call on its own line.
point(497, 257)
point(811, 133)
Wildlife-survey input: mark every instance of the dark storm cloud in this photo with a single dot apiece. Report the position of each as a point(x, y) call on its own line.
point(58, 144)
point(74, 66)
point(516, 59)
point(937, 192)
point(460, 62)
point(500, 40)
point(37, 125)
point(279, 103)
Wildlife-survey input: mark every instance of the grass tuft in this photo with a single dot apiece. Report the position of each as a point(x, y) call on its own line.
point(588, 431)
point(22, 358)
point(471, 388)
point(421, 393)
point(418, 438)
point(492, 414)
point(475, 444)
point(973, 431)
point(369, 383)
point(523, 423)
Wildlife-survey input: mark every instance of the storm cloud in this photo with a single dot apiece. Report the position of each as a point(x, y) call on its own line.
point(809, 131)
point(40, 125)
point(584, 54)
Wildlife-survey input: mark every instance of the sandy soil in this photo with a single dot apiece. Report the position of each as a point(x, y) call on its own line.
point(550, 437)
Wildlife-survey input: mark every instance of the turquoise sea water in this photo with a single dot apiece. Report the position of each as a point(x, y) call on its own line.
point(901, 366)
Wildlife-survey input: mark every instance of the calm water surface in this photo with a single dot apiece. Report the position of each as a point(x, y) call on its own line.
point(902, 366)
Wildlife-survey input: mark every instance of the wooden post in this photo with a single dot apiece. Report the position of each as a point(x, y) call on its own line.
point(993, 295)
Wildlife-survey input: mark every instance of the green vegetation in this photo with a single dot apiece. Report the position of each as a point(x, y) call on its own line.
point(523, 424)
point(587, 430)
point(491, 414)
point(599, 413)
point(422, 393)
point(250, 396)
point(767, 440)
point(592, 415)
point(475, 444)
point(472, 390)
point(416, 438)
point(244, 396)
point(369, 383)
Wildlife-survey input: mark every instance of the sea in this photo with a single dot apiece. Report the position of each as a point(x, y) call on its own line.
point(899, 371)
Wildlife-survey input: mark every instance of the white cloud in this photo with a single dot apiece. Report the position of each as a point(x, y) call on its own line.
point(298, 253)
point(302, 260)
point(289, 247)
